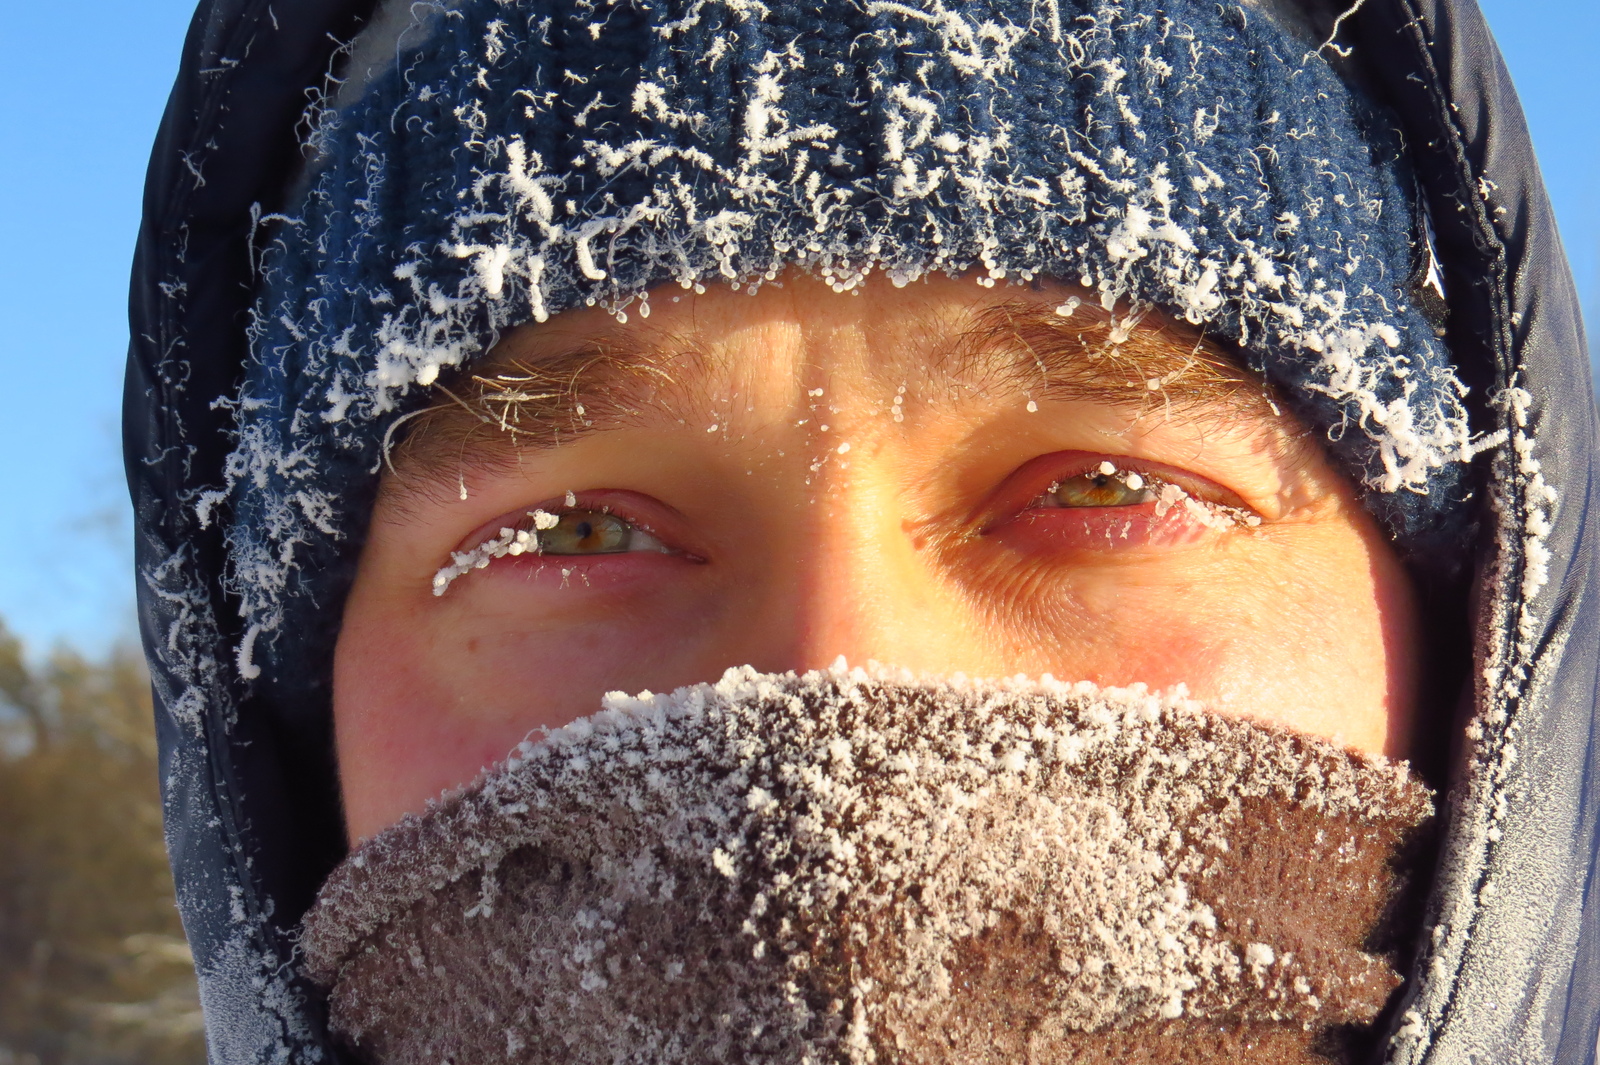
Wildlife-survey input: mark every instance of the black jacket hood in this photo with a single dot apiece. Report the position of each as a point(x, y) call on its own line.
point(1508, 965)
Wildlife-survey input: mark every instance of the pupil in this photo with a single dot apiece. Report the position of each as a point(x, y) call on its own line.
point(585, 530)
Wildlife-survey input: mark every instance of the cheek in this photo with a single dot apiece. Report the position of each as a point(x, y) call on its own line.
point(1318, 639)
point(1326, 662)
point(1121, 628)
point(394, 686)
point(430, 690)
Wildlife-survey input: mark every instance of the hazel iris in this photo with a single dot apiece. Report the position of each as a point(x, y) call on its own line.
point(587, 532)
point(1098, 489)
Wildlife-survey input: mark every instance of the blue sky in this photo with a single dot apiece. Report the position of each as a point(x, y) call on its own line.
point(83, 93)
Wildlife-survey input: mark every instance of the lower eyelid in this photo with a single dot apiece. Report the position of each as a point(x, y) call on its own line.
point(1096, 529)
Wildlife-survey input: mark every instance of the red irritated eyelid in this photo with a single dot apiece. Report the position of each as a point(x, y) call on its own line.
point(1174, 506)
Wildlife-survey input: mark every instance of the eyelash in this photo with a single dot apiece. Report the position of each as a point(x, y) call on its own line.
point(520, 539)
point(1105, 478)
point(1100, 492)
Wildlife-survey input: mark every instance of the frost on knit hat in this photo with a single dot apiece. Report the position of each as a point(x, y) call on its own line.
point(518, 158)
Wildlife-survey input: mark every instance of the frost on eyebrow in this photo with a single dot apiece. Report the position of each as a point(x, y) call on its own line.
point(524, 398)
point(520, 397)
point(1139, 359)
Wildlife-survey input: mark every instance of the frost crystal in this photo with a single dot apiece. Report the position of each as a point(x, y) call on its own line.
point(507, 542)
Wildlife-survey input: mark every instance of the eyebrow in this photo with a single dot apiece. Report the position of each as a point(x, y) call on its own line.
point(1140, 361)
point(522, 397)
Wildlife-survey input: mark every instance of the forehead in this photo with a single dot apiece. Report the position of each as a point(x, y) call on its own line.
point(940, 329)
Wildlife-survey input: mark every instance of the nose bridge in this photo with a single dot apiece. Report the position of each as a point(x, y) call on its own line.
point(858, 591)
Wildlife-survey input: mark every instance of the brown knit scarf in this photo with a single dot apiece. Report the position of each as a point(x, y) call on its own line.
point(846, 867)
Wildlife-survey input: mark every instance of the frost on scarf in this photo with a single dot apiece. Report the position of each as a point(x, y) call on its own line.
point(525, 158)
point(848, 866)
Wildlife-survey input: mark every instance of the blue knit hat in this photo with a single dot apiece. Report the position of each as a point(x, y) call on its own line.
point(515, 158)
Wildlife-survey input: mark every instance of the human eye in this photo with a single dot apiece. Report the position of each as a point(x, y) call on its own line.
point(1076, 501)
point(568, 532)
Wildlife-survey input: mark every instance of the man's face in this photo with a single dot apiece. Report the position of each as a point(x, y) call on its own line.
point(945, 478)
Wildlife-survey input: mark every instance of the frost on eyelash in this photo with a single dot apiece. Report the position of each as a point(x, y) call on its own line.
point(1214, 516)
point(508, 541)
